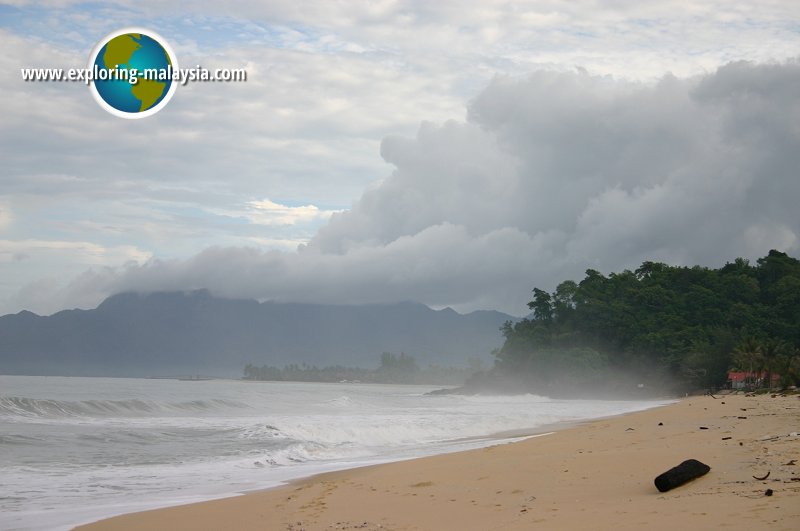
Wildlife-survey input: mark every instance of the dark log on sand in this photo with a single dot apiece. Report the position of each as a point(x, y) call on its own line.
point(683, 473)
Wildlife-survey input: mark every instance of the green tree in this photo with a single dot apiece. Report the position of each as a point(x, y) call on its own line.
point(749, 357)
point(542, 305)
point(692, 323)
point(772, 350)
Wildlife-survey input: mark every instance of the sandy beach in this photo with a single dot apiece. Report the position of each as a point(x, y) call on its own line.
point(597, 475)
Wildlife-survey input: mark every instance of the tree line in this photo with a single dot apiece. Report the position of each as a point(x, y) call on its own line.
point(668, 326)
point(393, 368)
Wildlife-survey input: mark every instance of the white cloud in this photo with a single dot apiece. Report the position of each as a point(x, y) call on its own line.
point(67, 273)
point(600, 168)
point(552, 174)
point(266, 212)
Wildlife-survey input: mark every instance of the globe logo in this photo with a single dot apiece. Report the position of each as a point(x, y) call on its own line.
point(132, 73)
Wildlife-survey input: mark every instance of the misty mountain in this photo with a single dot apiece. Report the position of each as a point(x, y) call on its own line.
point(133, 334)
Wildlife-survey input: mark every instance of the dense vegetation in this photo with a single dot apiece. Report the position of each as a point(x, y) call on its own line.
point(661, 325)
point(393, 368)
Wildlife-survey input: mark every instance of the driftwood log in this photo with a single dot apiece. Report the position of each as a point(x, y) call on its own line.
point(683, 473)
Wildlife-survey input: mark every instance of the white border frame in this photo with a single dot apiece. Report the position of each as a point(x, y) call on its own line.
point(173, 85)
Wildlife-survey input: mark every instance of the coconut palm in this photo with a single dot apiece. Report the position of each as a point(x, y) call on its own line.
point(772, 350)
point(788, 366)
point(748, 357)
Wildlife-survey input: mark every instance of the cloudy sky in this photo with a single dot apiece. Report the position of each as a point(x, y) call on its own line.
point(453, 153)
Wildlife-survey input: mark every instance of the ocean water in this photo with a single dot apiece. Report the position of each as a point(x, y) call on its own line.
point(73, 450)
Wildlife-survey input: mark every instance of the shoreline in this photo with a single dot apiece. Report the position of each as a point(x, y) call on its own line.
point(598, 474)
point(454, 446)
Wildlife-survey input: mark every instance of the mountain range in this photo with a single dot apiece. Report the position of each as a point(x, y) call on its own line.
point(188, 333)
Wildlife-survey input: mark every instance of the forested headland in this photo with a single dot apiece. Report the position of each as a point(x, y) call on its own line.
point(660, 327)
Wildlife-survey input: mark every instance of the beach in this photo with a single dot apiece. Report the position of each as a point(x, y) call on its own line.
point(597, 475)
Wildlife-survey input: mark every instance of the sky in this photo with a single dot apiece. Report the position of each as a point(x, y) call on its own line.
point(452, 153)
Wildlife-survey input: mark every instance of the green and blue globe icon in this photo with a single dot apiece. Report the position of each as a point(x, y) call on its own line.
point(133, 73)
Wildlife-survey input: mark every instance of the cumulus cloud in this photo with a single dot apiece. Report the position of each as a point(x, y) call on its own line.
point(549, 175)
point(328, 80)
point(612, 173)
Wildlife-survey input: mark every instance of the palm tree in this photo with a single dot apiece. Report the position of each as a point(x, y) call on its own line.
point(772, 350)
point(748, 357)
point(788, 365)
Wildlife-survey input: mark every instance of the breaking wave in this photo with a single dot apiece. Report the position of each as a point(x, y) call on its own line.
point(11, 407)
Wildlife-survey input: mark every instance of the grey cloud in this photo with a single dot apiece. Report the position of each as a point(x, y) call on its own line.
point(680, 169)
point(440, 263)
point(549, 175)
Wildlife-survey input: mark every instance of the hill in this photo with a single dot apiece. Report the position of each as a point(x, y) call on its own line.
point(669, 327)
point(133, 334)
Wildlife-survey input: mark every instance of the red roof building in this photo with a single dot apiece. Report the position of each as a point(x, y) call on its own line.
point(741, 379)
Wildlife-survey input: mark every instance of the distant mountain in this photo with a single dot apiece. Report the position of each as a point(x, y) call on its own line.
point(156, 334)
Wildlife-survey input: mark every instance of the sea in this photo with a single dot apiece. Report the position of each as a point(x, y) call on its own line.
point(75, 450)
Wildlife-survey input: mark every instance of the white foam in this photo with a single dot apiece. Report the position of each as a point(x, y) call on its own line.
point(213, 439)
